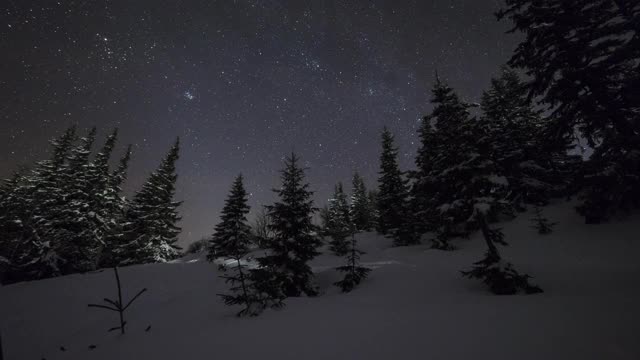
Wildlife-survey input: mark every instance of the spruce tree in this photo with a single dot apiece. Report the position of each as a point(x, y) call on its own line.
point(150, 232)
point(294, 243)
point(35, 211)
point(232, 239)
point(73, 230)
point(117, 205)
point(354, 272)
point(582, 59)
point(325, 220)
point(443, 166)
point(392, 198)
point(232, 234)
point(339, 221)
point(360, 207)
point(372, 199)
point(519, 142)
point(11, 209)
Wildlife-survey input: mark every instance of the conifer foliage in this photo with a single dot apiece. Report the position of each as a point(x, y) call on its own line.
point(66, 214)
point(361, 208)
point(392, 198)
point(339, 221)
point(354, 273)
point(497, 274)
point(232, 234)
point(541, 223)
point(516, 139)
point(232, 239)
point(294, 241)
point(582, 58)
point(451, 169)
point(151, 232)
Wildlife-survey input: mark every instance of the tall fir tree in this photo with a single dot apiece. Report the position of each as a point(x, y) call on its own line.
point(150, 231)
point(11, 209)
point(360, 207)
point(447, 140)
point(518, 134)
point(232, 239)
point(392, 198)
point(73, 230)
point(28, 214)
point(233, 233)
point(372, 197)
point(294, 243)
point(339, 221)
point(117, 205)
point(582, 58)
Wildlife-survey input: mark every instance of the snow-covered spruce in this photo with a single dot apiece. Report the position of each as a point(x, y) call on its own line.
point(232, 239)
point(517, 140)
point(150, 232)
point(588, 80)
point(232, 235)
point(361, 207)
point(354, 273)
point(294, 242)
point(443, 164)
point(392, 198)
point(339, 221)
point(27, 212)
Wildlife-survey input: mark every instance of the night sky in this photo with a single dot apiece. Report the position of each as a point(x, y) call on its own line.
point(241, 82)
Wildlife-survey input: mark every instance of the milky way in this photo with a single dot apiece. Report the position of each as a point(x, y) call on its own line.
point(241, 82)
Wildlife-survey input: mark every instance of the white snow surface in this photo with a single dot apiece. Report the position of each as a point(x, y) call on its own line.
point(414, 305)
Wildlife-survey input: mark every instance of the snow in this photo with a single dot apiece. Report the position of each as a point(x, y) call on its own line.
point(414, 305)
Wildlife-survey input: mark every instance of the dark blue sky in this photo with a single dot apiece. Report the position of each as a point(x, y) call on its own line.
point(241, 82)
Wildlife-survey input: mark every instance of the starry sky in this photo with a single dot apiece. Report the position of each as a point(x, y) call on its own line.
point(242, 82)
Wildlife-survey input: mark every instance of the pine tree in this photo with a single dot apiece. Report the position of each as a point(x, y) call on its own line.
point(150, 231)
point(232, 239)
point(339, 224)
point(582, 59)
point(232, 234)
point(360, 207)
point(541, 223)
point(294, 243)
point(392, 199)
point(354, 273)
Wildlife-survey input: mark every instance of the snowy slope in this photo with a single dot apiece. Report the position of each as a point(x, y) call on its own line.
point(415, 305)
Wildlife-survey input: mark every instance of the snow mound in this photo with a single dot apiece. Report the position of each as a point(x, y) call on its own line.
point(414, 305)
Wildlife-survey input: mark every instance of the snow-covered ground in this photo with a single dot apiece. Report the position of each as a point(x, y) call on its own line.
point(414, 305)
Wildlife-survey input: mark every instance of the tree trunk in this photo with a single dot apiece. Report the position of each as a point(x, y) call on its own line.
point(486, 233)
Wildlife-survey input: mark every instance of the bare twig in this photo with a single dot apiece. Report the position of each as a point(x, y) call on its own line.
point(117, 304)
